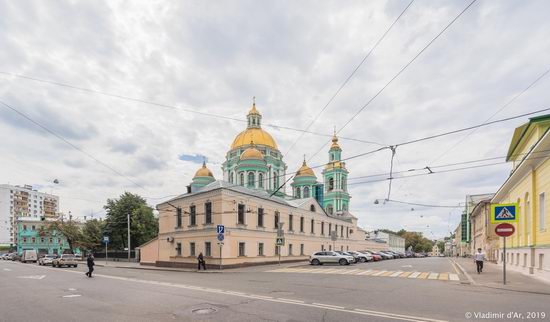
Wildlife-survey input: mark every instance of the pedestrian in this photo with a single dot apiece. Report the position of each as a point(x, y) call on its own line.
point(90, 262)
point(200, 258)
point(479, 258)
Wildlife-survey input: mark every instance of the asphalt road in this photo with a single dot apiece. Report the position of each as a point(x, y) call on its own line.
point(34, 293)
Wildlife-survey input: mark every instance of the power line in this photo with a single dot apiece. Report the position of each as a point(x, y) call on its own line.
point(401, 71)
point(495, 113)
point(172, 107)
point(28, 118)
point(350, 76)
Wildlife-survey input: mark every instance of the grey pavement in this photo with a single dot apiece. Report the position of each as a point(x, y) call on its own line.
point(117, 294)
point(492, 276)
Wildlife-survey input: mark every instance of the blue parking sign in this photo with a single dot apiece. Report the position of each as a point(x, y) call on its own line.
point(220, 229)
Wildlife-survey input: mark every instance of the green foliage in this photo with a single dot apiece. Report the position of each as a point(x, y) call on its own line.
point(92, 234)
point(143, 224)
point(441, 246)
point(415, 239)
point(69, 229)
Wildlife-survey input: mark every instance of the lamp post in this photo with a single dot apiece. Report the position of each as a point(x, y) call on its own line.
point(128, 238)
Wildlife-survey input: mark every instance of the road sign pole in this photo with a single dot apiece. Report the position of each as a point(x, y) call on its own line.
point(504, 262)
point(279, 247)
point(106, 253)
point(220, 256)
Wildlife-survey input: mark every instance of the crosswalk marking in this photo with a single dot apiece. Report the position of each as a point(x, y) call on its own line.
point(433, 276)
point(396, 274)
point(379, 273)
point(365, 272)
point(414, 275)
point(445, 276)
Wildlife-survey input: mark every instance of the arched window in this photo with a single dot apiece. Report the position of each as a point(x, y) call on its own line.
point(306, 192)
point(251, 179)
point(312, 208)
point(298, 194)
point(241, 182)
point(261, 180)
point(330, 209)
point(330, 184)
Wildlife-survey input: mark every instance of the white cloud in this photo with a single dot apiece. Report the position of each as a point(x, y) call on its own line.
point(213, 57)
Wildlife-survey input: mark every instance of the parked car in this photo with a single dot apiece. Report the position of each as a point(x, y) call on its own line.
point(381, 255)
point(409, 254)
point(355, 258)
point(324, 257)
point(15, 257)
point(375, 256)
point(363, 257)
point(29, 255)
point(46, 259)
point(65, 260)
point(78, 257)
point(5, 256)
point(386, 255)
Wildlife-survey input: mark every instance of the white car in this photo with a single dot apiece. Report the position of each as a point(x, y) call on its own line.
point(324, 257)
point(46, 260)
point(363, 257)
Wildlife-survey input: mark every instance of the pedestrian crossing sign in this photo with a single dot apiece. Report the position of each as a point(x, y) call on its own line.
point(501, 213)
point(280, 241)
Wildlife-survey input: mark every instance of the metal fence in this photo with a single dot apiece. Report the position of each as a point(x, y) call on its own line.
point(118, 256)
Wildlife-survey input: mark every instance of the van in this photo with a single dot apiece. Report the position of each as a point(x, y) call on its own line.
point(29, 255)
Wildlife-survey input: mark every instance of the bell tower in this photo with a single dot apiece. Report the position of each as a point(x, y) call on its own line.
point(335, 177)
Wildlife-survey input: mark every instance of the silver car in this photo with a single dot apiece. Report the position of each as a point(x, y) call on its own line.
point(324, 257)
point(46, 260)
point(363, 257)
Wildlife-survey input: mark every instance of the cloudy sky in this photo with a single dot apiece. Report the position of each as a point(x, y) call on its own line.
point(213, 57)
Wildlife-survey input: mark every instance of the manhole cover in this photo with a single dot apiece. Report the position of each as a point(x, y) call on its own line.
point(203, 311)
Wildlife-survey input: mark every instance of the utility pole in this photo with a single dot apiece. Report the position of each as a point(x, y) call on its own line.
point(128, 238)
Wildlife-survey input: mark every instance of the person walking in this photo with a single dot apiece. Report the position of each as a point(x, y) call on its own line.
point(479, 258)
point(200, 258)
point(90, 262)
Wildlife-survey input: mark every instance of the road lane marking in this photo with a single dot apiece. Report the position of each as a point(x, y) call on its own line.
point(328, 305)
point(350, 271)
point(454, 277)
point(405, 274)
point(264, 298)
point(423, 275)
point(388, 273)
point(7, 269)
point(378, 273)
point(444, 276)
point(72, 295)
point(432, 276)
point(396, 274)
point(365, 272)
point(328, 271)
point(407, 266)
point(290, 300)
point(33, 277)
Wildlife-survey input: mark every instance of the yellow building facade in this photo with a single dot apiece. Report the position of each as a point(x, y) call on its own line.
point(529, 186)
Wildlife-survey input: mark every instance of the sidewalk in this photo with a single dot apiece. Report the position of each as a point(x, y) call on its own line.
point(492, 277)
point(134, 265)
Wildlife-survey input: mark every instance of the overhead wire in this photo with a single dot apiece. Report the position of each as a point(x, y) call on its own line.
point(351, 75)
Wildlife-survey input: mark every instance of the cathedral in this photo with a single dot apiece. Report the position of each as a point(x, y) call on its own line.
point(254, 161)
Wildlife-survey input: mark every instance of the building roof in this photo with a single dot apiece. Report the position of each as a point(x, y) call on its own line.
point(521, 131)
point(203, 171)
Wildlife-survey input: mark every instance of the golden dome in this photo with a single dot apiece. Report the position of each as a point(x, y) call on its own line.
point(203, 171)
point(259, 136)
point(252, 154)
point(335, 164)
point(305, 171)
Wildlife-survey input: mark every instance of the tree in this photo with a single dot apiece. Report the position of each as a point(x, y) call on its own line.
point(143, 224)
point(441, 246)
point(68, 229)
point(92, 234)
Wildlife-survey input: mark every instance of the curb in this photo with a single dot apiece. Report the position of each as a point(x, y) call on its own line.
point(162, 269)
point(463, 272)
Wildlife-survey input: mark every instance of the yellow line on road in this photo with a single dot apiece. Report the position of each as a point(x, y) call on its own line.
point(444, 276)
point(423, 275)
point(405, 274)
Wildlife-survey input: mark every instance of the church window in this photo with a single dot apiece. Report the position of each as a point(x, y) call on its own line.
point(241, 182)
point(344, 207)
point(343, 184)
point(330, 184)
point(275, 180)
point(312, 208)
point(251, 179)
point(298, 194)
point(330, 209)
point(306, 192)
point(261, 180)
point(230, 177)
